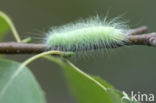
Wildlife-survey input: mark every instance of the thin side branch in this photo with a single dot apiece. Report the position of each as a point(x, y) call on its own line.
point(138, 31)
point(21, 48)
point(134, 37)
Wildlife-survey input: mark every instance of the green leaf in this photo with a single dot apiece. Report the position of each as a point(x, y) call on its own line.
point(4, 27)
point(87, 88)
point(22, 89)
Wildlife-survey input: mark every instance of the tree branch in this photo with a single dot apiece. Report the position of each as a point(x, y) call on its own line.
point(134, 37)
point(21, 48)
point(139, 30)
point(144, 39)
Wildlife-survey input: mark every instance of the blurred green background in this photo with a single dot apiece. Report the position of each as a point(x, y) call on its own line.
point(127, 68)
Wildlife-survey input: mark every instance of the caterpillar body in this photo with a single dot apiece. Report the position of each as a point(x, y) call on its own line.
point(84, 35)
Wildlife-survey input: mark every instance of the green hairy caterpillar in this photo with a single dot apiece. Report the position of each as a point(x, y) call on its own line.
point(89, 34)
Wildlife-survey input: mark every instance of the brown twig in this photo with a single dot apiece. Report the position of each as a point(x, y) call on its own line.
point(139, 30)
point(133, 38)
point(21, 48)
point(144, 39)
